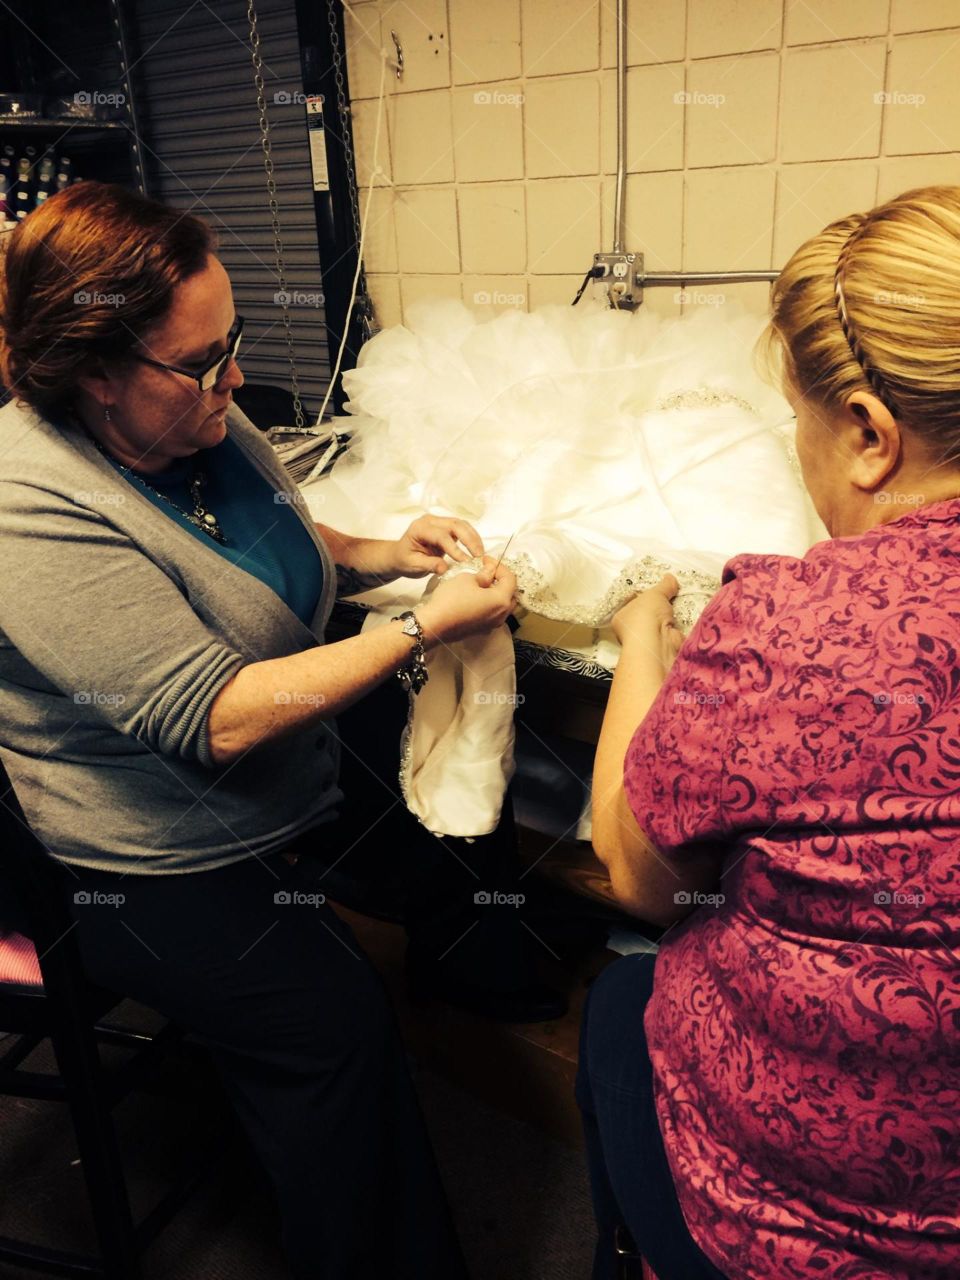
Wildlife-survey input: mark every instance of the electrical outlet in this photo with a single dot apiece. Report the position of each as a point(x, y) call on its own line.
point(622, 277)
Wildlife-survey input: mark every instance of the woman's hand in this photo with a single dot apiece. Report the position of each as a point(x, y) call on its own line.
point(648, 620)
point(421, 549)
point(470, 604)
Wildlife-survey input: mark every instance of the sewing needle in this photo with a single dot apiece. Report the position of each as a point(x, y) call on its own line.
point(503, 553)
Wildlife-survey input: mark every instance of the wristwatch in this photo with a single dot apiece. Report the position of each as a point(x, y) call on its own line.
point(413, 675)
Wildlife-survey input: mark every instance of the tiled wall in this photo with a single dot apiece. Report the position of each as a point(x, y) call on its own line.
point(750, 124)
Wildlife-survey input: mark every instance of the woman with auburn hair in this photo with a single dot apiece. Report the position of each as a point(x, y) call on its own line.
point(781, 791)
point(166, 702)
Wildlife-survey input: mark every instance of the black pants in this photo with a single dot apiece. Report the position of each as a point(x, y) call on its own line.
point(434, 882)
point(305, 1040)
point(629, 1175)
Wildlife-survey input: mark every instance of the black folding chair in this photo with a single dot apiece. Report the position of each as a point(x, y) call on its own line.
point(58, 1003)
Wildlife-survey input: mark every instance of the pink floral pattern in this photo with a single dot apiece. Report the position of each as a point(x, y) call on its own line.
point(805, 1032)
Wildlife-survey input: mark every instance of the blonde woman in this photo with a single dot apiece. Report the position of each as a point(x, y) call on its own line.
point(782, 1097)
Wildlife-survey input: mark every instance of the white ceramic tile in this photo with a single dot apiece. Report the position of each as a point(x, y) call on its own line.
point(414, 289)
point(728, 219)
point(830, 108)
point(488, 133)
point(361, 26)
point(563, 225)
point(906, 172)
point(922, 94)
point(380, 243)
point(492, 228)
point(427, 233)
point(561, 120)
point(656, 32)
point(817, 21)
point(422, 28)
point(653, 217)
point(732, 26)
point(809, 196)
point(731, 110)
point(385, 293)
point(923, 15)
point(364, 117)
point(421, 137)
point(561, 36)
point(484, 40)
point(654, 115)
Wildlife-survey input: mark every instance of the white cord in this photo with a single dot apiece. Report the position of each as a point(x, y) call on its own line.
point(374, 171)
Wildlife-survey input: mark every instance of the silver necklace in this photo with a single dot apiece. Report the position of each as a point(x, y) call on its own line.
point(200, 516)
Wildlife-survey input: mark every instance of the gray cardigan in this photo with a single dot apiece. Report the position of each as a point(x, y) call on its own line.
point(117, 630)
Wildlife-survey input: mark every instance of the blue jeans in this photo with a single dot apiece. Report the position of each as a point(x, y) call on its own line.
point(630, 1179)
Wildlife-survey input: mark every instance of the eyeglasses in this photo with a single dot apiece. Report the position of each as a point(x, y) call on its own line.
point(211, 375)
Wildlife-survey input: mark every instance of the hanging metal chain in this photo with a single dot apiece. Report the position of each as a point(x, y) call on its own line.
point(353, 188)
point(282, 293)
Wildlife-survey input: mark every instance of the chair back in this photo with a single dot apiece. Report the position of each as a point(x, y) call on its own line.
point(34, 890)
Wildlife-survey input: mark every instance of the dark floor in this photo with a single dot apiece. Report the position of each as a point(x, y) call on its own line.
point(521, 1199)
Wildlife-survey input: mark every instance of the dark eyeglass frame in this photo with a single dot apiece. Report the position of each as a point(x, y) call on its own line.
point(207, 378)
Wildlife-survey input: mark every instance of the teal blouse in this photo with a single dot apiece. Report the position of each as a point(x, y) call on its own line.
point(264, 536)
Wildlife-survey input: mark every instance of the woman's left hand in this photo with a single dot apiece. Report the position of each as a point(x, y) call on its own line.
point(648, 619)
point(421, 549)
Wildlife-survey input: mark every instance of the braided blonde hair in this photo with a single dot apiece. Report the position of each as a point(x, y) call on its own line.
point(873, 303)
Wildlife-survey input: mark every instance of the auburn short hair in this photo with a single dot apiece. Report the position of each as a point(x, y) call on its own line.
point(86, 275)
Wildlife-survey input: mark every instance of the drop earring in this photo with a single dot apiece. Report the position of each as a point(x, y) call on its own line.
point(106, 413)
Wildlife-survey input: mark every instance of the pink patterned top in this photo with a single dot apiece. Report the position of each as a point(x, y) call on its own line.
point(805, 1030)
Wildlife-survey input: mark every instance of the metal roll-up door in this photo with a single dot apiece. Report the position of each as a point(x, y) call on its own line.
point(197, 102)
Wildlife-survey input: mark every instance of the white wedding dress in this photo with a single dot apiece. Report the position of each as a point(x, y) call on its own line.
point(607, 447)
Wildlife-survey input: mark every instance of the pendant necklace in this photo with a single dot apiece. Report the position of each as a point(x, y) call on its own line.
point(201, 517)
